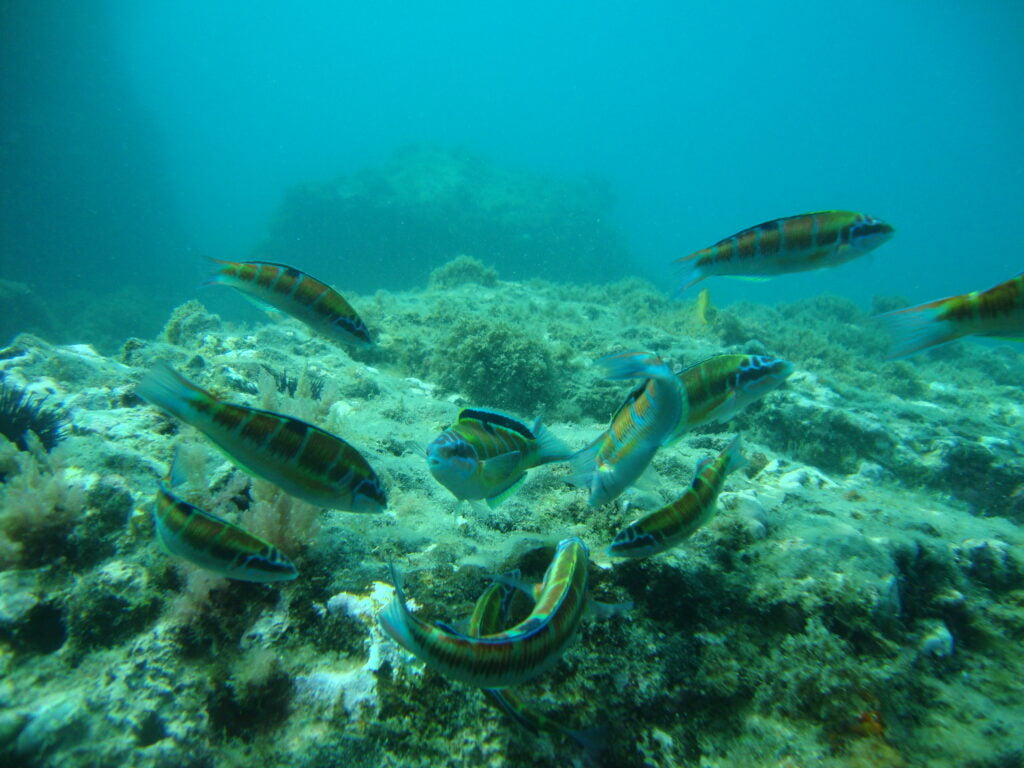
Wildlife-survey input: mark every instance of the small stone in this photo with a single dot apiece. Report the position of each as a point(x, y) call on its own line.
point(937, 641)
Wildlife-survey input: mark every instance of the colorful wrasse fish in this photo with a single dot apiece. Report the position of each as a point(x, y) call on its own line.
point(792, 244)
point(999, 311)
point(721, 386)
point(668, 526)
point(211, 542)
point(295, 293)
point(303, 460)
point(485, 454)
point(514, 655)
point(643, 423)
point(490, 616)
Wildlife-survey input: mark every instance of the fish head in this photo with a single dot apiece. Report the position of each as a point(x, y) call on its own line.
point(452, 461)
point(869, 233)
point(760, 374)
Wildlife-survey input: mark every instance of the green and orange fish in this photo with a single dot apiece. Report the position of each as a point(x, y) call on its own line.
point(301, 459)
point(723, 385)
point(666, 527)
point(295, 293)
point(211, 542)
point(792, 244)
point(511, 656)
point(649, 417)
point(998, 312)
point(489, 617)
point(486, 454)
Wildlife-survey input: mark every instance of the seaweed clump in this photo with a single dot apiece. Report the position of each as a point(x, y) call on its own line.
point(21, 413)
point(499, 365)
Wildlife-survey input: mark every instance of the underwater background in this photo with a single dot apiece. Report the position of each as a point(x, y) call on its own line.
point(501, 193)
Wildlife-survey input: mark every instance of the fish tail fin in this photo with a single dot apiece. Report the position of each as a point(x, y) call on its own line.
point(176, 473)
point(165, 388)
point(549, 447)
point(688, 268)
point(394, 619)
point(217, 277)
point(734, 455)
point(583, 466)
point(916, 328)
point(635, 365)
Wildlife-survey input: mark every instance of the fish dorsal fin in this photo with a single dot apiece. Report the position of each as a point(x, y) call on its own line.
point(492, 419)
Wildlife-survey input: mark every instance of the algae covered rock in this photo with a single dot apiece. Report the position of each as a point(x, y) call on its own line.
point(498, 365)
point(388, 226)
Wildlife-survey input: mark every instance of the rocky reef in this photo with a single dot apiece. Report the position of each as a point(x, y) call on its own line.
point(394, 223)
point(856, 602)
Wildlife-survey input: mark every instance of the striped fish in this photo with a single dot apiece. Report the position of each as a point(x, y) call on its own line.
point(721, 386)
point(212, 543)
point(489, 617)
point(514, 655)
point(297, 294)
point(485, 454)
point(792, 244)
point(999, 311)
point(668, 526)
point(301, 459)
point(648, 418)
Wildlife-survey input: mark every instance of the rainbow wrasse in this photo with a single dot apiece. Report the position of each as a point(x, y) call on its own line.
point(301, 459)
point(295, 293)
point(648, 418)
point(721, 386)
point(666, 527)
point(791, 244)
point(485, 454)
point(213, 543)
point(490, 616)
point(999, 311)
point(514, 655)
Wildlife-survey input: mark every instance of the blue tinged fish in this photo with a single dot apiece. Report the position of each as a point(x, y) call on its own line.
point(486, 454)
point(648, 419)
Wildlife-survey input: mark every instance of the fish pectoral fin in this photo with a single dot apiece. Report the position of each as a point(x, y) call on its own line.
point(749, 278)
point(503, 464)
point(514, 579)
point(499, 497)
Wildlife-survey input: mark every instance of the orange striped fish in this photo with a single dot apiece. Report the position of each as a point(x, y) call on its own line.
point(512, 656)
point(792, 244)
point(211, 542)
point(301, 459)
point(999, 311)
point(666, 527)
point(297, 294)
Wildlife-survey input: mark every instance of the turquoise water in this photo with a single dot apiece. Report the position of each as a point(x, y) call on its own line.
point(500, 192)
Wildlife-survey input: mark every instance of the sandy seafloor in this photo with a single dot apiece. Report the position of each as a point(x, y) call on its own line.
point(858, 601)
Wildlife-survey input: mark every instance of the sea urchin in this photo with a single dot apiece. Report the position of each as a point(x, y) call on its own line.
point(19, 413)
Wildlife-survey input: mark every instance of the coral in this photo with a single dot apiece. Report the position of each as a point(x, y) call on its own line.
point(19, 413)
